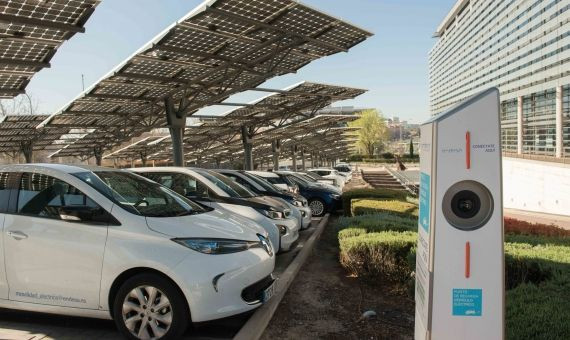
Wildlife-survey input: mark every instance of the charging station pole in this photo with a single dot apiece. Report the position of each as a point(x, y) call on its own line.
point(460, 256)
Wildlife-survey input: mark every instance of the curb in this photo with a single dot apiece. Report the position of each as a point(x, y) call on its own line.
point(255, 326)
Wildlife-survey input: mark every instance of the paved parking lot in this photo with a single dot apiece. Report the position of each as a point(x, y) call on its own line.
point(23, 325)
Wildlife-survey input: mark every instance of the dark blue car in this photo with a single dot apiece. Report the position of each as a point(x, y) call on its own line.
point(322, 198)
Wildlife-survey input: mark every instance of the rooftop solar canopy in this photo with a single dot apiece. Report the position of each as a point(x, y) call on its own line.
point(278, 110)
point(31, 32)
point(220, 48)
point(316, 133)
point(16, 132)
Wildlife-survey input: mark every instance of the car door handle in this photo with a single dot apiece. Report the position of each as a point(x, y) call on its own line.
point(18, 235)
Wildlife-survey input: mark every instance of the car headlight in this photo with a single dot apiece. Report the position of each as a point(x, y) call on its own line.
point(335, 196)
point(273, 214)
point(282, 229)
point(218, 246)
point(297, 203)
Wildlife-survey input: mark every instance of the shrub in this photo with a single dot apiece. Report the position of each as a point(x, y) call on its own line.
point(514, 226)
point(387, 155)
point(539, 311)
point(348, 196)
point(396, 207)
point(378, 222)
point(378, 255)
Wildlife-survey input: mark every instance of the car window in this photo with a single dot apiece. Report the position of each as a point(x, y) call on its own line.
point(46, 196)
point(139, 195)
point(230, 187)
point(242, 182)
point(182, 184)
point(4, 192)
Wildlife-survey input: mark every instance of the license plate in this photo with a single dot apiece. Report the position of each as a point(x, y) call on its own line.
point(269, 292)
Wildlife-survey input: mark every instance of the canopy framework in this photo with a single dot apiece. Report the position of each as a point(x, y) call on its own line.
point(31, 31)
point(221, 48)
point(282, 114)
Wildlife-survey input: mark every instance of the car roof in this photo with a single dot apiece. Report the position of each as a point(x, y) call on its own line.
point(264, 173)
point(66, 168)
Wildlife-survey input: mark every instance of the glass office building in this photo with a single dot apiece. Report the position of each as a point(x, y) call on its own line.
point(521, 47)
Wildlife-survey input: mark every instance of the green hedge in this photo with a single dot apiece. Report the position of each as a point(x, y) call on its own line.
point(368, 206)
point(350, 195)
point(537, 270)
point(377, 255)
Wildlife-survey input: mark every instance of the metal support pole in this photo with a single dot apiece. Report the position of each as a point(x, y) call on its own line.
point(143, 157)
point(176, 124)
point(247, 139)
point(276, 148)
point(27, 148)
point(98, 154)
point(303, 164)
point(294, 151)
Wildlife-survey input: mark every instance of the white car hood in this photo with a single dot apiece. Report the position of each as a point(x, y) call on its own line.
point(212, 224)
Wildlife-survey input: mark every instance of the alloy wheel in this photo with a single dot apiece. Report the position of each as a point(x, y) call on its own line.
point(317, 207)
point(147, 312)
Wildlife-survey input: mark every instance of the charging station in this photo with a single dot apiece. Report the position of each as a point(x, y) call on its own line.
point(460, 257)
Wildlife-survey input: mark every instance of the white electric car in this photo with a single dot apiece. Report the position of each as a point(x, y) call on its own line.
point(220, 192)
point(106, 243)
point(339, 180)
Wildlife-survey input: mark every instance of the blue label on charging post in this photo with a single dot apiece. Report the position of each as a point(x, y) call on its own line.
point(425, 193)
point(467, 302)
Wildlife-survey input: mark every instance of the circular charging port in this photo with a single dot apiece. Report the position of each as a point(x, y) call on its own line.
point(467, 205)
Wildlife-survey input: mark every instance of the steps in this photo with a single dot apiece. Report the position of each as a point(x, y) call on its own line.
point(382, 179)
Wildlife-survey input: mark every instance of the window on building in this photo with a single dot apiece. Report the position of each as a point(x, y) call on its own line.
point(539, 123)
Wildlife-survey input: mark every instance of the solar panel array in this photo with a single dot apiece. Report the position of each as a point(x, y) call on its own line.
point(221, 48)
point(16, 131)
point(31, 32)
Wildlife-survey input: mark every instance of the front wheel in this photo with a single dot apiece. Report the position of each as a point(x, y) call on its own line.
point(148, 306)
point(317, 206)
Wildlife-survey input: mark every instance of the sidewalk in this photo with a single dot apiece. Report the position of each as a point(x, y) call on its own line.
point(536, 217)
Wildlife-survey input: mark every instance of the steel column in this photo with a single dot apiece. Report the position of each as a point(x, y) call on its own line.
point(303, 164)
point(176, 124)
point(247, 139)
point(276, 148)
point(294, 151)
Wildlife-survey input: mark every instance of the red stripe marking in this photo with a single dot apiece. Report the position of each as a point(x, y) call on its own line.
point(468, 149)
point(467, 260)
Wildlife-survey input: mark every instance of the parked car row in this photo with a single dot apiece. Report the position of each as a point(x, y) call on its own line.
point(151, 248)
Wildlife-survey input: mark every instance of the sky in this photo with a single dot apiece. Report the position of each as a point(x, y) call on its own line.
point(392, 65)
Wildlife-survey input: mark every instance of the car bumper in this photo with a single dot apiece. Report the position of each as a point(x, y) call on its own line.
point(291, 235)
point(216, 290)
point(306, 217)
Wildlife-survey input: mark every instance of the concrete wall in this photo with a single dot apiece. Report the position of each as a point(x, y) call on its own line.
point(536, 186)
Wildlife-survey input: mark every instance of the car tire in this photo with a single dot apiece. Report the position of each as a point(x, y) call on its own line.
point(169, 321)
point(318, 207)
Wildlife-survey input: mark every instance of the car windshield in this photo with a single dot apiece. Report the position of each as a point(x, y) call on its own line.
point(229, 186)
point(263, 183)
point(139, 195)
point(311, 176)
point(300, 181)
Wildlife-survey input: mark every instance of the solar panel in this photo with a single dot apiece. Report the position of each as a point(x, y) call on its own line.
point(31, 32)
point(16, 131)
point(221, 48)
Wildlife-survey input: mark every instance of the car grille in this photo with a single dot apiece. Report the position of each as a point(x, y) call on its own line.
point(254, 293)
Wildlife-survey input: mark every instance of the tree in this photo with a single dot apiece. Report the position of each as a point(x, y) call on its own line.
point(373, 131)
point(411, 147)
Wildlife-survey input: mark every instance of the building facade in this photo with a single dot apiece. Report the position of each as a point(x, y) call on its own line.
point(521, 47)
